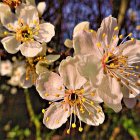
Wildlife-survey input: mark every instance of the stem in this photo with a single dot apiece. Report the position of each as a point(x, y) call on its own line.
point(33, 118)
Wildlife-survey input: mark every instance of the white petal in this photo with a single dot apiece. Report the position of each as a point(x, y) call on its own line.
point(46, 32)
point(91, 94)
point(95, 117)
point(30, 48)
point(50, 86)
point(110, 92)
point(7, 17)
point(108, 26)
point(4, 8)
point(130, 102)
point(26, 83)
point(90, 68)
point(55, 116)
point(84, 42)
point(41, 8)
point(41, 66)
point(52, 58)
point(131, 48)
point(68, 43)
point(81, 26)
point(69, 73)
point(29, 15)
point(10, 44)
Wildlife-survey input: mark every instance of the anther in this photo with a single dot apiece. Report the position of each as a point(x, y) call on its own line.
point(130, 34)
point(68, 131)
point(121, 36)
point(73, 125)
point(80, 129)
point(43, 111)
point(46, 94)
point(103, 35)
point(57, 95)
point(83, 99)
point(98, 44)
point(116, 28)
point(47, 119)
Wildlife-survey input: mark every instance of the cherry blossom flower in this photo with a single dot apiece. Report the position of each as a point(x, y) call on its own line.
point(16, 76)
point(107, 64)
point(74, 94)
point(35, 66)
point(6, 68)
point(25, 33)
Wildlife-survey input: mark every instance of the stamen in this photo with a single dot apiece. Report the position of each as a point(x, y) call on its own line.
point(116, 28)
point(43, 111)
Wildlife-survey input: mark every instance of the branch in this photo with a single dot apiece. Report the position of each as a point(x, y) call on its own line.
point(33, 118)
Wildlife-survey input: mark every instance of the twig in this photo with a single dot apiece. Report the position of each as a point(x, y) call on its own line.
point(33, 118)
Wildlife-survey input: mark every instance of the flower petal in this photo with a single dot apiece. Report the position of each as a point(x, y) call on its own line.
point(68, 71)
point(109, 91)
point(30, 48)
point(81, 26)
point(50, 86)
point(41, 66)
point(108, 32)
point(130, 102)
point(29, 15)
point(90, 68)
point(10, 44)
point(83, 43)
point(56, 115)
point(68, 43)
point(41, 7)
point(7, 17)
point(45, 33)
point(92, 115)
point(131, 48)
point(26, 83)
point(90, 93)
point(52, 58)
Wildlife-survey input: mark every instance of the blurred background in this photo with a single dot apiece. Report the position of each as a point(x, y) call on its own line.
point(21, 110)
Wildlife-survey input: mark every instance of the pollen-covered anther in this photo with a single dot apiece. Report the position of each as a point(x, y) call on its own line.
point(116, 28)
point(5, 33)
point(43, 111)
point(120, 36)
point(60, 88)
point(57, 95)
point(73, 125)
point(132, 39)
point(80, 129)
point(92, 94)
point(130, 34)
point(103, 35)
point(114, 37)
point(47, 119)
point(98, 44)
point(46, 94)
point(99, 110)
point(68, 131)
point(83, 99)
point(137, 67)
point(118, 79)
point(57, 121)
point(89, 113)
point(92, 103)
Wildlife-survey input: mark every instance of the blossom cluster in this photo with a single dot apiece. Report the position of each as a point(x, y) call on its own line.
point(104, 67)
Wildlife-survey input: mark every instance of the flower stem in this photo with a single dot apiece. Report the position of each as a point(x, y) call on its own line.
point(33, 118)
